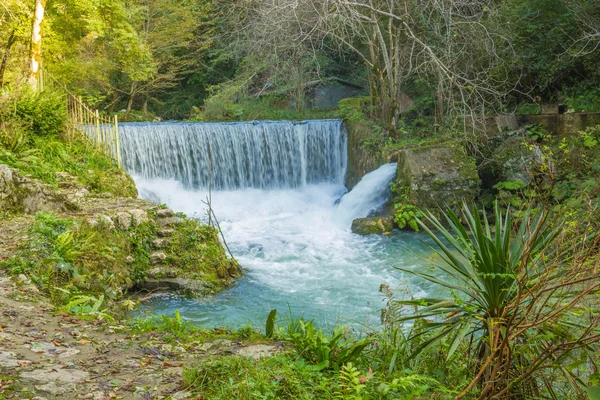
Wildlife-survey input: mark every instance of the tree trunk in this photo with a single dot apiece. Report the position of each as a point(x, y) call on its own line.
point(145, 105)
point(129, 103)
point(439, 110)
point(131, 97)
point(11, 40)
point(36, 43)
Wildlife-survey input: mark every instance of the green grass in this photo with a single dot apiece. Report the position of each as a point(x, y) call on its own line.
point(176, 329)
point(236, 377)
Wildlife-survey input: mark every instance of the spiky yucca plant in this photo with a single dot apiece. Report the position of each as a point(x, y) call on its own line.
point(512, 294)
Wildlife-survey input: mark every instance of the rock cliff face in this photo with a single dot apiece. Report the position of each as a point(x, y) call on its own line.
point(430, 177)
point(21, 193)
point(434, 177)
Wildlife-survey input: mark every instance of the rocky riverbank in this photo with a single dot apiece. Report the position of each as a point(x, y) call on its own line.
point(87, 237)
point(69, 257)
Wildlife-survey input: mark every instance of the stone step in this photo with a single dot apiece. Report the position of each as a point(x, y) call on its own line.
point(162, 271)
point(157, 257)
point(165, 232)
point(165, 213)
point(172, 221)
point(160, 243)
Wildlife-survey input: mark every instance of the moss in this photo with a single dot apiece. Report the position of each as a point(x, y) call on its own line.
point(372, 226)
point(196, 250)
point(73, 256)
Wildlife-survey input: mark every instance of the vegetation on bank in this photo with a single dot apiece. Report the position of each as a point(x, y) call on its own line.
point(35, 137)
point(87, 266)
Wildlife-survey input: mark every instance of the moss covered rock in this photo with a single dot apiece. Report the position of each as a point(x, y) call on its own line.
point(372, 226)
point(436, 176)
point(508, 158)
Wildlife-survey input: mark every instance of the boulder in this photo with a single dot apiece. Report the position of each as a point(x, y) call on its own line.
point(170, 221)
point(158, 257)
point(160, 243)
point(369, 226)
point(162, 272)
point(436, 176)
point(165, 232)
point(6, 186)
point(22, 193)
point(106, 221)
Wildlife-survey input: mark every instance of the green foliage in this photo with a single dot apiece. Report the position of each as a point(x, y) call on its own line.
point(325, 352)
point(510, 185)
point(528, 108)
point(535, 132)
point(218, 109)
point(270, 325)
point(495, 281)
point(81, 265)
point(235, 377)
point(353, 109)
point(42, 113)
point(42, 155)
point(196, 249)
point(407, 215)
point(87, 306)
point(582, 99)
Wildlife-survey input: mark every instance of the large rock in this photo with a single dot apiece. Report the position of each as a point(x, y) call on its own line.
point(21, 193)
point(370, 226)
point(123, 220)
point(139, 216)
point(436, 176)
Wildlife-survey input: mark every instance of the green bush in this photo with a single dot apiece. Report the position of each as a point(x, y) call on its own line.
point(407, 215)
point(324, 351)
point(44, 113)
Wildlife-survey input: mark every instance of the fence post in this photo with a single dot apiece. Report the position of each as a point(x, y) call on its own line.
point(118, 149)
point(97, 128)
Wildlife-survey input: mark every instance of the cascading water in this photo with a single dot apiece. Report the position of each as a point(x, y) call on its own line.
point(263, 155)
point(290, 230)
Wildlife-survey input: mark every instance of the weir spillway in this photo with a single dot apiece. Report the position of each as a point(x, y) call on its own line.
point(230, 156)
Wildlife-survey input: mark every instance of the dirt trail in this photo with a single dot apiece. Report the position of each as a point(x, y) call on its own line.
point(46, 355)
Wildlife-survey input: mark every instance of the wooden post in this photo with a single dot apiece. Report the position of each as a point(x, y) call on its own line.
point(80, 119)
point(118, 148)
point(97, 127)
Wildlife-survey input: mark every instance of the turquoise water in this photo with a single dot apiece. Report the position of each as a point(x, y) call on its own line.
point(298, 252)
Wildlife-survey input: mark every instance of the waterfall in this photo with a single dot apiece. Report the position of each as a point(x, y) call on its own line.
point(261, 155)
point(368, 195)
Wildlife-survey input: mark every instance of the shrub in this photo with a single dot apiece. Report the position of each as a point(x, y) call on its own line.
point(45, 112)
point(526, 302)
